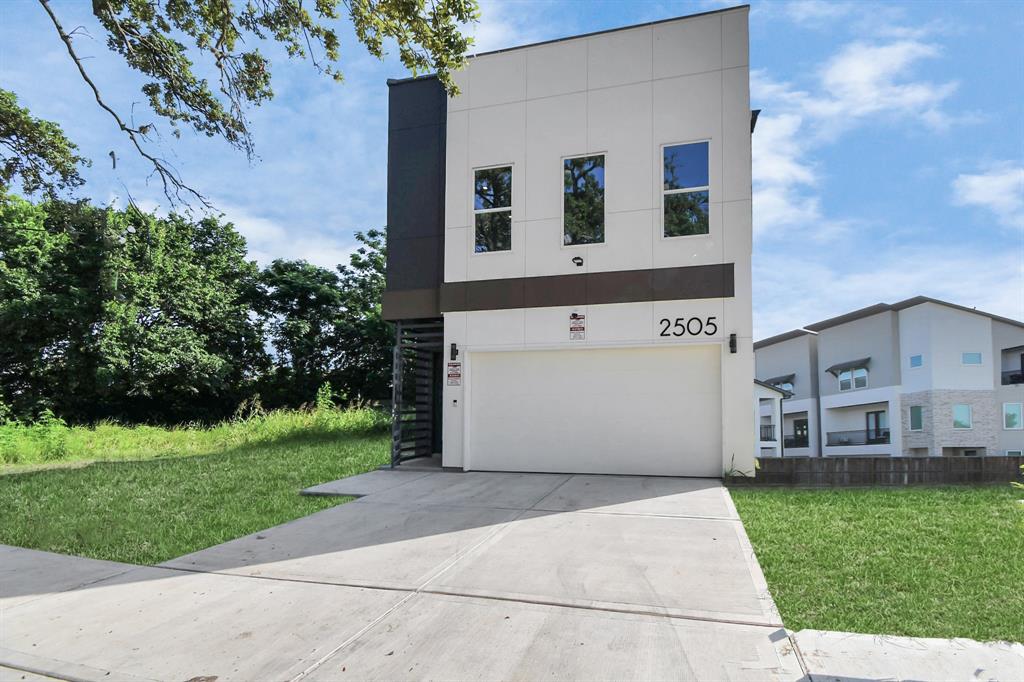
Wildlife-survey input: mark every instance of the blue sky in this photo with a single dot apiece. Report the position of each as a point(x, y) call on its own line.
point(888, 160)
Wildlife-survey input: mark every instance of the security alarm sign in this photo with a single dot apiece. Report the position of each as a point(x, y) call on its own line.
point(577, 327)
point(454, 373)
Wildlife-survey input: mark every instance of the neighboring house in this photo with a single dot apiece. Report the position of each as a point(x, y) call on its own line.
point(569, 245)
point(768, 415)
point(919, 377)
point(790, 362)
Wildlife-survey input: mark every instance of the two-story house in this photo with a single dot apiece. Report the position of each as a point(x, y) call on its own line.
point(920, 377)
point(569, 246)
point(790, 362)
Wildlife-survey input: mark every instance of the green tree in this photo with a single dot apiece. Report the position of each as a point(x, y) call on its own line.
point(107, 313)
point(172, 42)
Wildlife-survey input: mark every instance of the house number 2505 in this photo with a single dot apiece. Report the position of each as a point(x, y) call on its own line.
point(693, 326)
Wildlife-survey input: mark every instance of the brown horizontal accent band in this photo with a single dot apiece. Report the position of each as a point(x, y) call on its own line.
point(592, 288)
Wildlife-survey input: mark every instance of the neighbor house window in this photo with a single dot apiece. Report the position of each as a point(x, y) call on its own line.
point(1012, 416)
point(1014, 453)
point(853, 378)
point(962, 416)
point(583, 207)
point(492, 209)
point(916, 418)
point(970, 358)
point(685, 190)
point(785, 386)
point(916, 360)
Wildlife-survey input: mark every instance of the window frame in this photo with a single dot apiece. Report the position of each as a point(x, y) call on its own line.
point(920, 356)
point(979, 363)
point(662, 191)
point(970, 417)
point(1015, 453)
point(853, 379)
point(561, 204)
point(474, 211)
point(1020, 417)
point(920, 409)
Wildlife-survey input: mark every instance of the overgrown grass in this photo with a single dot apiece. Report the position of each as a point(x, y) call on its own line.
point(152, 494)
point(50, 441)
point(923, 562)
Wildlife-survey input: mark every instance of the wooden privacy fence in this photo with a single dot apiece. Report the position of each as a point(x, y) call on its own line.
point(882, 471)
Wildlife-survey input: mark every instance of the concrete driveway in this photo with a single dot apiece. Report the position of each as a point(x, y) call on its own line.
point(429, 575)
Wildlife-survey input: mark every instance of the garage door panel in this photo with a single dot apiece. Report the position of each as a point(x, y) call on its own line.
point(632, 411)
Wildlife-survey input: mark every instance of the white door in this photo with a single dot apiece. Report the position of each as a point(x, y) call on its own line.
point(651, 410)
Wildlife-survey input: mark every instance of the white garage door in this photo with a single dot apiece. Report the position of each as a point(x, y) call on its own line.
point(609, 411)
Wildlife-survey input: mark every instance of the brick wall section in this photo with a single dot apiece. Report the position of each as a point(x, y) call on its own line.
point(937, 418)
point(838, 471)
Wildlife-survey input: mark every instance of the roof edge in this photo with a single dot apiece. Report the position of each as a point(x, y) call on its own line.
point(779, 338)
point(723, 10)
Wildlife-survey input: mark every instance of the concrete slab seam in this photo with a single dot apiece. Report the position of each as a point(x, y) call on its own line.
point(552, 491)
point(88, 583)
point(65, 670)
point(441, 570)
point(791, 636)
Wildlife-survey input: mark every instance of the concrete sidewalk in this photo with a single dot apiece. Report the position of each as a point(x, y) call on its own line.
point(436, 576)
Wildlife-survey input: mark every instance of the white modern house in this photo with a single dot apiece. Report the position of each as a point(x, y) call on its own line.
point(569, 245)
point(921, 377)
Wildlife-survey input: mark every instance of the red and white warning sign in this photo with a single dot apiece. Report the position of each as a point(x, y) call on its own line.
point(454, 373)
point(577, 327)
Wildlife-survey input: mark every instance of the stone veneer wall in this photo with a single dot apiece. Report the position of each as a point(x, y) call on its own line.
point(937, 419)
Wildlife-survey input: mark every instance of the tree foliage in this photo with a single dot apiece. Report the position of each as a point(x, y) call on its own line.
point(35, 151)
point(174, 43)
point(118, 314)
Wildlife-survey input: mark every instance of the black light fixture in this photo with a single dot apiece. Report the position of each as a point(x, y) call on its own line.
point(732, 343)
point(455, 352)
point(578, 261)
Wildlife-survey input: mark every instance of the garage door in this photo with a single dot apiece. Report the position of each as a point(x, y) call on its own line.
point(609, 411)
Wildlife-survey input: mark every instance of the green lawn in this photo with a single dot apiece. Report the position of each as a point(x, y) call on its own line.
point(924, 562)
point(171, 492)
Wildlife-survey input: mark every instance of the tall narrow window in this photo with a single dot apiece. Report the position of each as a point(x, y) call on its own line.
point(492, 209)
point(685, 190)
point(962, 417)
point(583, 208)
point(916, 418)
point(1013, 419)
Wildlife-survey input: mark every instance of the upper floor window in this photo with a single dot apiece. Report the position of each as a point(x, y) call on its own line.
point(962, 417)
point(916, 360)
point(583, 207)
point(492, 209)
point(685, 190)
point(853, 378)
point(970, 358)
point(916, 418)
point(1013, 418)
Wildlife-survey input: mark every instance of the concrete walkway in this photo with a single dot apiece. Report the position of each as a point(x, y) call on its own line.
point(429, 575)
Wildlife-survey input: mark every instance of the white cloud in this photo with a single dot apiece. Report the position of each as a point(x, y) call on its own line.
point(814, 12)
point(790, 293)
point(502, 25)
point(861, 82)
point(268, 240)
point(1000, 189)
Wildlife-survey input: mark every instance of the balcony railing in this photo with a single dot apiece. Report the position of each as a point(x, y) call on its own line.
point(767, 432)
point(795, 441)
point(860, 437)
point(1013, 376)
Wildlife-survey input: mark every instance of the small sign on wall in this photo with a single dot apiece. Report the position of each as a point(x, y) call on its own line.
point(577, 327)
point(454, 373)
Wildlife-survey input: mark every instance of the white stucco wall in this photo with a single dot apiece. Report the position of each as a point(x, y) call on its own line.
point(623, 94)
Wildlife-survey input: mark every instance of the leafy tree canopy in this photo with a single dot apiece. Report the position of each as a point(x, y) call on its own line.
point(172, 42)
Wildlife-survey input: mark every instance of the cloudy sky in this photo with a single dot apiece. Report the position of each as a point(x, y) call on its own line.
point(888, 160)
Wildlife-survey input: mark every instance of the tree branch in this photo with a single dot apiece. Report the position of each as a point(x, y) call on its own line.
point(172, 184)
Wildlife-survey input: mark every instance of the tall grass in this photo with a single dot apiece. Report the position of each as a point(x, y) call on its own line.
point(52, 441)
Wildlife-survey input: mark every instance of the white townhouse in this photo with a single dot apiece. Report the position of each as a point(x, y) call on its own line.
point(569, 245)
point(921, 377)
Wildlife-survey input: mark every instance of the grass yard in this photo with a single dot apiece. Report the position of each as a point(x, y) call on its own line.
point(923, 562)
point(169, 492)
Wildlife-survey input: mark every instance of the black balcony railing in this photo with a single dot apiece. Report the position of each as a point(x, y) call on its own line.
point(768, 432)
point(795, 441)
point(1013, 376)
point(860, 437)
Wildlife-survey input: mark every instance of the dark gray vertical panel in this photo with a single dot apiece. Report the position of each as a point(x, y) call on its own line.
point(417, 120)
